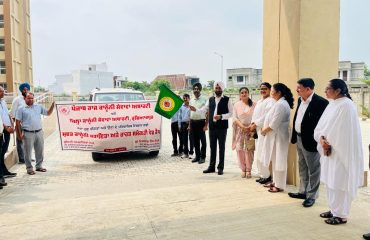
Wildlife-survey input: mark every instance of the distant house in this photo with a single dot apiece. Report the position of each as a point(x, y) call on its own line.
point(352, 73)
point(238, 77)
point(83, 80)
point(179, 81)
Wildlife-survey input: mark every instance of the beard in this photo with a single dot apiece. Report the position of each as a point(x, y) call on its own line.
point(24, 94)
point(218, 94)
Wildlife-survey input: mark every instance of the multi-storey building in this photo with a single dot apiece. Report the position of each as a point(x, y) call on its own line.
point(15, 44)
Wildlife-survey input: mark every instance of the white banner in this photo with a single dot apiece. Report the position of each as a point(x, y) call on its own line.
point(109, 127)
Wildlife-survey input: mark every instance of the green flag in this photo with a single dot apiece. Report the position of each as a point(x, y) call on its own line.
point(168, 102)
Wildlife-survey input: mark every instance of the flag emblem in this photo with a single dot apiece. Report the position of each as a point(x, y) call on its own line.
point(166, 104)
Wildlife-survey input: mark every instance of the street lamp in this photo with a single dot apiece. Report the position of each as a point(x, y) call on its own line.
point(222, 65)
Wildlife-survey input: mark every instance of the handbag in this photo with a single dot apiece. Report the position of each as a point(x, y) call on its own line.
point(250, 144)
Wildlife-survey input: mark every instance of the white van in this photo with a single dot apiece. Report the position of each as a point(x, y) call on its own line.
point(115, 95)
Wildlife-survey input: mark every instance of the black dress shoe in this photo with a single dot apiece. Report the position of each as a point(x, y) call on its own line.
point(259, 179)
point(209, 170)
point(366, 236)
point(195, 160)
point(202, 160)
point(265, 180)
point(297, 195)
point(308, 202)
point(172, 155)
point(9, 174)
point(220, 172)
point(3, 184)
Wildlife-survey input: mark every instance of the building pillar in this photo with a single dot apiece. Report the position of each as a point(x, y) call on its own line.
point(300, 39)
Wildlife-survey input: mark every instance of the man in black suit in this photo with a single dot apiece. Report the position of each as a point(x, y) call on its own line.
point(307, 115)
point(220, 109)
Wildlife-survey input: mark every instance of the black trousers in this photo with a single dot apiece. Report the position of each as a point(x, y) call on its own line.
point(199, 137)
point(184, 137)
point(4, 139)
point(175, 133)
point(191, 142)
point(220, 136)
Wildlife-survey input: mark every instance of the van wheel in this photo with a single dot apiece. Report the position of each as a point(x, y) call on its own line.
point(153, 153)
point(96, 156)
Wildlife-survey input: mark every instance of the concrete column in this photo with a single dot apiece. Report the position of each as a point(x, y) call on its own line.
point(300, 39)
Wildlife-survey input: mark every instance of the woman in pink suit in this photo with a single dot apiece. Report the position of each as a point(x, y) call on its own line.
point(242, 114)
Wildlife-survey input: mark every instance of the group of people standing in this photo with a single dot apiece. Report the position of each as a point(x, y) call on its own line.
point(28, 128)
point(327, 135)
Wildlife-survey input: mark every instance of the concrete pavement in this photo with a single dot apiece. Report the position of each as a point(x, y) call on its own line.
point(134, 196)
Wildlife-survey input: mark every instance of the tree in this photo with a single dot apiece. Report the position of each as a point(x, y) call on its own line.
point(157, 83)
point(140, 86)
point(210, 84)
point(366, 72)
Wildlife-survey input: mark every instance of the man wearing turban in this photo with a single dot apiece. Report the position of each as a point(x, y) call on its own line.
point(19, 102)
point(219, 108)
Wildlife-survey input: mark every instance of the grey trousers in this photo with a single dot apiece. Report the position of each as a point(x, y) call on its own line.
point(33, 140)
point(309, 171)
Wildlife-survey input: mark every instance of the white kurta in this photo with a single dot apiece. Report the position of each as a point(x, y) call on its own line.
point(276, 142)
point(343, 169)
point(259, 114)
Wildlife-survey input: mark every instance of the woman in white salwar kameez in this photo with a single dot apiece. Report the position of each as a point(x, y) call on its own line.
point(242, 114)
point(262, 107)
point(275, 138)
point(339, 136)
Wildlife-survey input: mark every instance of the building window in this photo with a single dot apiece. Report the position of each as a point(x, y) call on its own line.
point(2, 47)
point(240, 79)
point(1, 21)
point(2, 67)
point(345, 75)
point(230, 78)
point(338, 74)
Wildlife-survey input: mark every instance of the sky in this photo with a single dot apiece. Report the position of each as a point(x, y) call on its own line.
point(140, 39)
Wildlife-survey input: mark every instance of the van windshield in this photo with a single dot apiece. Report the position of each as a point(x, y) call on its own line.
point(108, 97)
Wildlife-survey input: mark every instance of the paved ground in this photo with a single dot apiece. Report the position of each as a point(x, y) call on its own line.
point(137, 197)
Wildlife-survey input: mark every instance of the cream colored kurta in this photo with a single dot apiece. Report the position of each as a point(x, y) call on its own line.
point(259, 114)
point(276, 142)
point(343, 169)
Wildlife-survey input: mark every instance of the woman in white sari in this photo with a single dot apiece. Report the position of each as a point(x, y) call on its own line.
point(342, 161)
point(275, 136)
point(262, 107)
point(242, 114)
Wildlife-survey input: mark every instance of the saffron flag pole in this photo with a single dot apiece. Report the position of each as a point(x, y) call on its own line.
point(168, 102)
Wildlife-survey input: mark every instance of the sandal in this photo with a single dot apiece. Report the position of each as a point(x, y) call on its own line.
point(30, 172)
point(242, 174)
point(327, 214)
point(336, 221)
point(275, 190)
point(41, 169)
point(269, 185)
point(249, 175)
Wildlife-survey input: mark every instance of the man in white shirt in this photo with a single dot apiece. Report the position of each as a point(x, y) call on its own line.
point(19, 102)
point(8, 129)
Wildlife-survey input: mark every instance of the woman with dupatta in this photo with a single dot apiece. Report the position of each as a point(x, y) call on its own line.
point(242, 113)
